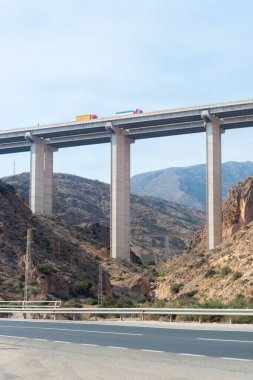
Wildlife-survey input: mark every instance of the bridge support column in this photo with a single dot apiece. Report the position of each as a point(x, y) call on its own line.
point(37, 177)
point(213, 177)
point(48, 180)
point(41, 176)
point(120, 194)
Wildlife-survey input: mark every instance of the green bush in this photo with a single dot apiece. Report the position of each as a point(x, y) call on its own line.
point(175, 288)
point(149, 262)
point(236, 275)
point(209, 273)
point(72, 302)
point(191, 293)
point(240, 302)
point(45, 268)
point(225, 271)
point(212, 304)
point(91, 301)
point(5, 188)
point(82, 287)
point(122, 301)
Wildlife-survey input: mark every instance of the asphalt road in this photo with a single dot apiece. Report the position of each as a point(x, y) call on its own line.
point(231, 344)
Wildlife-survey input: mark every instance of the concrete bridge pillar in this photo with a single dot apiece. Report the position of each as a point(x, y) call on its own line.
point(213, 177)
point(41, 176)
point(120, 194)
point(48, 180)
point(37, 177)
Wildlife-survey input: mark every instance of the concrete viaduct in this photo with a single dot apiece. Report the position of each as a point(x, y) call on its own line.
point(121, 131)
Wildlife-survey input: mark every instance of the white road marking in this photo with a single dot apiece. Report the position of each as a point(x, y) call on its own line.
point(88, 344)
point(227, 340)
point(126, 348)
point(199, 356)
point(43, 340)
point(73, 330)
point(13, 336)
point(241, 360)
point(153, 351)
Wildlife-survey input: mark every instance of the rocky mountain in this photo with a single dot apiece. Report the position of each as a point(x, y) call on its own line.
point(188, 185)
point(61, 264)
point(226, 271)
point(65, 260)
point(66, 257)
point(84, 204)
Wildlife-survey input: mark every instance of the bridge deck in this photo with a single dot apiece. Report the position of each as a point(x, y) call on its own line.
point(141, 126)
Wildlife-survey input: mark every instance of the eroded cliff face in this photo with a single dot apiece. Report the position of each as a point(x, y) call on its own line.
point(225, 271)
point(238, 207)
point(237, 212)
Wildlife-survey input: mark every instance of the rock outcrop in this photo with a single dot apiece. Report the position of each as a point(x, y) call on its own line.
point(237, 212)
point(225, 271)
point(238, 207)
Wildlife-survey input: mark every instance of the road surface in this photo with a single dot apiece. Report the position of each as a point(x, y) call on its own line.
point(228, 345)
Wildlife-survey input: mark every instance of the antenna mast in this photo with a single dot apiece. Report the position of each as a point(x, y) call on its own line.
point(100, 285)
point(27, 264)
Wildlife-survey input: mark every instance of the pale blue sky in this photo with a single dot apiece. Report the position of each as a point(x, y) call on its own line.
point(61, 58)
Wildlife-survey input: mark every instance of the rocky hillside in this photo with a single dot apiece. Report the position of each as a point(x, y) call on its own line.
point(223, 272)
point(64, 259)
point(60, 267)
point(84, 204)
point(188, 185)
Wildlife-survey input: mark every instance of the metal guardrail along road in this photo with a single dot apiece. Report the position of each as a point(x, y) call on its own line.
point(57, 310)
point(29, 304)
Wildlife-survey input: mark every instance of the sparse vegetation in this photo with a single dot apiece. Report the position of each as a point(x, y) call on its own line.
point(149, 262)
point(83, 287)
point(45, 268)
point(175, 288)
point(225, 271)
point(115, 301)
point(191, 293)
point(212, 304)
point(209, 273)
point(236, 275)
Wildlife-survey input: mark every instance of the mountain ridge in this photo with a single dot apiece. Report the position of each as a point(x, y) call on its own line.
point(82, 202)
point(187, 185)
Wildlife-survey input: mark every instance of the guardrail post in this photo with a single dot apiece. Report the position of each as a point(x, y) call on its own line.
point(200, 318)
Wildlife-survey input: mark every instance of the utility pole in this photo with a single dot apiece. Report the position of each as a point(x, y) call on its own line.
point(27, 264)
point(14, 167)
point(100, 285)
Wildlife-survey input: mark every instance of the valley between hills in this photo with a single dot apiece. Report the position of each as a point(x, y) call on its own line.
point(69, 248)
